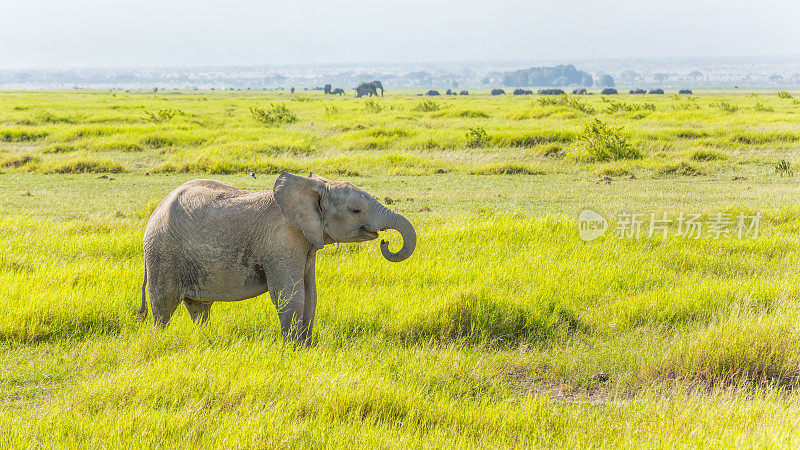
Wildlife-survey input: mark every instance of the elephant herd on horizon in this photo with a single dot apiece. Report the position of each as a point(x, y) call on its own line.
point(371, 88)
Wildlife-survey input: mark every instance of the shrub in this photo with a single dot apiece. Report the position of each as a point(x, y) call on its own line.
point(476, 137)
point(784, 167)
point(564, 100)
point(276, 114)
point(626, 107)
point(426, 106)
point(784, 94)
point(472, 114)
point(371, 106)
point(761, 108)
point(162, 115)
point(333, 109)
point(724, 106)
point(603, 142)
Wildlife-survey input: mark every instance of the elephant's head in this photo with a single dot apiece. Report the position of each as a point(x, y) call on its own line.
point(377, 84)
point(333, 211)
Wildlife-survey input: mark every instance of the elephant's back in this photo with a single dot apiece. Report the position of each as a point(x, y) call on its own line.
point(206, 206)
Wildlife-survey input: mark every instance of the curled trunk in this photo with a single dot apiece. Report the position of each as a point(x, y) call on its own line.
point(390, 219)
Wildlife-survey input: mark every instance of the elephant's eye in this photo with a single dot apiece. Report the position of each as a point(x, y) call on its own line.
point(355, 210)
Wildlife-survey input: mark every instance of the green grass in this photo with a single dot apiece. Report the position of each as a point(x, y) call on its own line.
point(491, 335)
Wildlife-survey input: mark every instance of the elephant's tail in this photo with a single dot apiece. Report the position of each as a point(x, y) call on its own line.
point(143, 306)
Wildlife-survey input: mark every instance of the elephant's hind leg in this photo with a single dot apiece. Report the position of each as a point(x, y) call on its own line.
point(198, 310)
point(164, 303)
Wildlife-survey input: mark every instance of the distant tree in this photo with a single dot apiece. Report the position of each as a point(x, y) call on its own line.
point(605, 80)
point(660, 77)
point(629, 76)
point(695, 75)
point(776, 78)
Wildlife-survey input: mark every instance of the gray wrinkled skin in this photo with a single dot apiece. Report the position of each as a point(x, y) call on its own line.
point(370, 89)
point(209, 242)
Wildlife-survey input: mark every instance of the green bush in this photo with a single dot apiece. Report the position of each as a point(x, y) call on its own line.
point(426, 106)
point(476, 137)
point(784, 94)
point(162, 115)
point(566, 101)
point(371, 106)
point(604, 142)
point(724, 106)
point(276, 114)
point(470, 114)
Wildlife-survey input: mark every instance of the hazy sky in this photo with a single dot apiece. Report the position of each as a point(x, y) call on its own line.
point(105, 33)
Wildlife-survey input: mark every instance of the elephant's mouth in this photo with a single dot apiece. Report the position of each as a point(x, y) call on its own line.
point(370, 235)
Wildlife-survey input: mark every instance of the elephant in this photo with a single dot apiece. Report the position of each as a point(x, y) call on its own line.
point(210, 242)
point(338, 91)
point(369, 88)
point(685, 91)
point(657, 91)
point(327, 89)
point(498, 92)
point(637, 91)
point(608, 91)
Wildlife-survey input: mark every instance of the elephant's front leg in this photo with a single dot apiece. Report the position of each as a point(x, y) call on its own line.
point(310, 305)
point(289, 299)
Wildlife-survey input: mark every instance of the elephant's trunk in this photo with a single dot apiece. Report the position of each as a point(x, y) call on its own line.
point(390, 219)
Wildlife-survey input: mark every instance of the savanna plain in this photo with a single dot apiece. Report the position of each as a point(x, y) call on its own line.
point(503, 329)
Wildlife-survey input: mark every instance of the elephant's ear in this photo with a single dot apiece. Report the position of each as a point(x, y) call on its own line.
point(299, 198)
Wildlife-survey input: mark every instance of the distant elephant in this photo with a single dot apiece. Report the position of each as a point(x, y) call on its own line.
point(523, 91)
point(432, 92)
point(609, 91)
point(327, 89)
point(208, 242)
point(463, 93)
point(369, 88)
point(685, 91)
point(657, 91)
point(637, 91)
point(498, 92)
point(579, 91)
point(338, 91)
